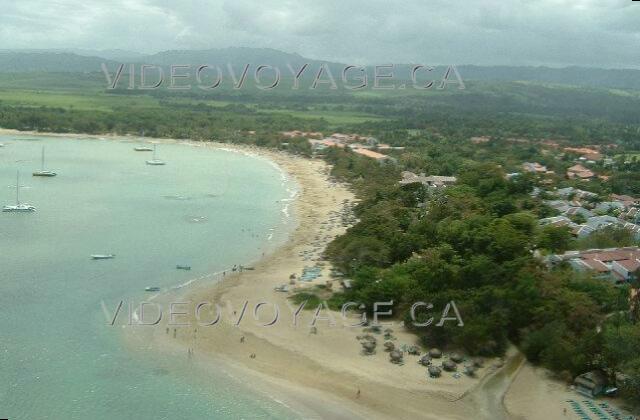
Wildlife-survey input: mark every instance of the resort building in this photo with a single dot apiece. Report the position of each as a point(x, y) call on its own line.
point(580, 150)
point(631, 214)
point(607, 206)
point(559, 205)
point(303, 134)
point(374, 155)
point(319, 145)
point(575, 193)
point(579, 172)
point(578, 211)
point(619, 264)
point(626, 200)
point(429, 181)
point(534, 167)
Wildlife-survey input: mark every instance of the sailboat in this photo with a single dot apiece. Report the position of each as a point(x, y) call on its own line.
point(42, 171)
point(155, 160)
point(19, 207)
point(142, 148)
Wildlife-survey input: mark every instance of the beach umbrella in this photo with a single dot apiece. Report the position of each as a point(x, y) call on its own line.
point(478, 362)
point(470, 370)
point(425, 360)
point(456, 357)
point(414, 350)
point(389, 346)
point(395, 356)
point(434, 371)
point(368, 347)
point(449, 365)
point(435, 353)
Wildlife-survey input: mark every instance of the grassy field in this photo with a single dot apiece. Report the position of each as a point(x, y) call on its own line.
point(100, 101)
point(74, 100)
point(332, 117)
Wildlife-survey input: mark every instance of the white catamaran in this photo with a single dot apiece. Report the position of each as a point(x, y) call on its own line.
point(155, 161)
point(19, 207)
point(42, 171)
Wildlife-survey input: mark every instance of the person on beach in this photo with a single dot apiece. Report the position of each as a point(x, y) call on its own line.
point(358, 393)
point(242, 339)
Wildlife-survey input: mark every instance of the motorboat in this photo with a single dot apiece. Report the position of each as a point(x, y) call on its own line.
point(102, 256)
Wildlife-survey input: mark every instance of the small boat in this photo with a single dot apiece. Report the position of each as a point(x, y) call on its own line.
point(143, 148)
point(103, 256)
point(152, 289)
point(183, 267)
point(19, 207)
point(155, 161)
point(42, 171)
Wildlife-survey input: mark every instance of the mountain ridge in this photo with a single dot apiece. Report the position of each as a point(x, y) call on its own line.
point(89, 61)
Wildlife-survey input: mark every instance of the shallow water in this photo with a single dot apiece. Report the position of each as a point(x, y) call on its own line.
point(206, 208)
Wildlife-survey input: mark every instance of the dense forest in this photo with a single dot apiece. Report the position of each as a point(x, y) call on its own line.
point(473, 245)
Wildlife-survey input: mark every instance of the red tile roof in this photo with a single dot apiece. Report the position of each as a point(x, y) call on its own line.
point(371, 154)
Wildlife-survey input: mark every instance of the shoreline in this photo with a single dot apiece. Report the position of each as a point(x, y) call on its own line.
point(317, 375)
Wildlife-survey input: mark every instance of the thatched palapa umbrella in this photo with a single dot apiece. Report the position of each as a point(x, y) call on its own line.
point(434, 371)
point(414, 350)
point(449, 366)
point(368, 347)
point(395, 356)
point(470, 370)
point(389, 346)
point(435, 353)
point(456, 357)
point(425, 360)
point(478, 362)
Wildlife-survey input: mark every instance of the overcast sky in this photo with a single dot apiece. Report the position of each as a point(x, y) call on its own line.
point(601, 33)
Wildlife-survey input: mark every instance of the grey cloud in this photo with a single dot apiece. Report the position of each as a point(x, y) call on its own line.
point(533, 32)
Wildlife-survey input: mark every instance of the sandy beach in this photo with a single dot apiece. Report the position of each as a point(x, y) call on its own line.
point(320, 371)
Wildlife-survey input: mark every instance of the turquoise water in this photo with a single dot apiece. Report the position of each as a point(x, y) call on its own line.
point(206, 208)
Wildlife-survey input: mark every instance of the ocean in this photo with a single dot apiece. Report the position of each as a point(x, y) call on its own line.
point(206, 208)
